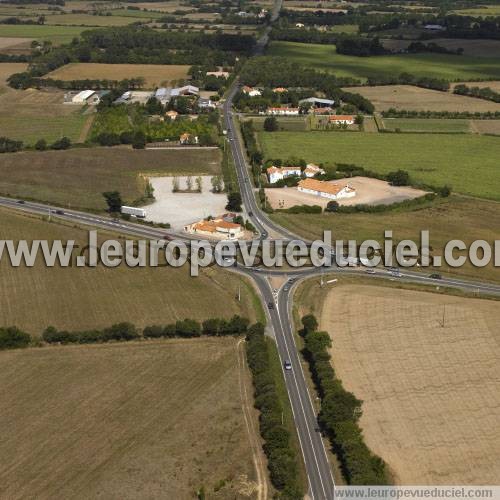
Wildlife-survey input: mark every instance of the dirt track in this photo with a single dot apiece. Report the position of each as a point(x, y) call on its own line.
point(431, 393)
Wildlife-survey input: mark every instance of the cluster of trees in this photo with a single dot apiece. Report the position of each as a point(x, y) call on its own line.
point(480, 92)
point(9, 145)
point(303, 35)
point(187, 328)
point(131, 124)
point(281, 455)
point(253, 151)
point(234, 201)
point(362, 47)
point(340, 412)
point(268, 99)
point(405, 113)
point(25, 80)
point(416, 47)
point(273, 72)
point(12, 337)
point(409, 79)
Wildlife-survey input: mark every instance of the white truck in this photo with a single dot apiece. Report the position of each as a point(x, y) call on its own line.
point(134, 211)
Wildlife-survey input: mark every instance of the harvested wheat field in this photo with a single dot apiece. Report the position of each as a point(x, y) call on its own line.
point(7, 69)
point(154, 75)
point(412, 98)
point(431, 399)
point(143, 420)
point(486, 126)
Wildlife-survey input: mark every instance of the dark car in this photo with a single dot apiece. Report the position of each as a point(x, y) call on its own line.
point(59, 212)
point(436, 276)
point(270, 305)
point(250, 214)
point(22, 202)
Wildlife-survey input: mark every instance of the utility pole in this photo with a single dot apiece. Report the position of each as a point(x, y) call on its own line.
point(239, 293)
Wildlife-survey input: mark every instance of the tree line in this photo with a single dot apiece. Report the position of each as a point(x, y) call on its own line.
point(13, 337)
point(480, 92)
point(282, 458)
point(407, 113)
point(340, 412)
point(11, 146)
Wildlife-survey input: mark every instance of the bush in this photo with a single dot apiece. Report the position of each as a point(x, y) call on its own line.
point(399, 178)
point(60, 144)
point(13, 338)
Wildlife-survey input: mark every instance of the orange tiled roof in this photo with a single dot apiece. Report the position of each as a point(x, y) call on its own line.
point(335, 118)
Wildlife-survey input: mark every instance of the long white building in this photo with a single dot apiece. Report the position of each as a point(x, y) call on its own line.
point(330, 190)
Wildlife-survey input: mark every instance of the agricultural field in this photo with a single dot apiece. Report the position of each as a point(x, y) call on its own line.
point(15, 46)
point(483, 11)
point(466, 162)
point(288, 123)
point(77, 298)
point(83, 174)
point(29, 115)
point(430, 125)
point(486, 126)
point(493, 85)
point(155, 75)
point(324, 57)
point(455, 217)
point(411, 98)
point(88, 20)
point(143, 420)
point(55, 34)
point(425, 366)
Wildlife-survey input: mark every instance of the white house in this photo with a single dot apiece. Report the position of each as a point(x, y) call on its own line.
point(275, 174)
point(205, 103)
point(342, 119)
point(311, 170)
point(283, 111)
point(218, 74)
point(86, 97)
point(325, 189)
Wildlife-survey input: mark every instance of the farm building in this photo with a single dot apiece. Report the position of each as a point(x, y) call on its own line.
point(325, 189)
point(311, 170)
point(283, 111)
point(164, 94)
point(219, 228)
point(317, 102)
point(342, 119)
point(86, 97)
point(218, 74)
point(275, 174)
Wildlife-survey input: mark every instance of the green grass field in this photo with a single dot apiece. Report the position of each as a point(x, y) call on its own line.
point(324, 57)
point(452, 218)
point(469, 163)
point(345, 28)
point(88, 20)
point(55, 34)
point(83, 174)
point(486, 10)
point(427, 125)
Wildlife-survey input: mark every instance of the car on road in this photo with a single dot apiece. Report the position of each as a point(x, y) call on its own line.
point(396, 274)
point(270, 305)
point(250, 214)
point(287, 365)
point(286, 288)
point(59, 212)
point(22, 202)
point(370, 271)
point(436, 276)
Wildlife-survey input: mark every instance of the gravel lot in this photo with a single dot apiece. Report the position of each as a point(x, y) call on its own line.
point(180, 209)
point(369, 191)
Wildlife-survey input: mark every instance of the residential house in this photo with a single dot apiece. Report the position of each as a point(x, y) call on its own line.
point(342, 119)
point(275, 174)
point(218, 228)
point(311, 170)
point(324, 189)
point(299, 25)
point(186, 139)
point(251, 92)
point(283, 111)
point(280, 90)
point(205, 103)
point(172, 114)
